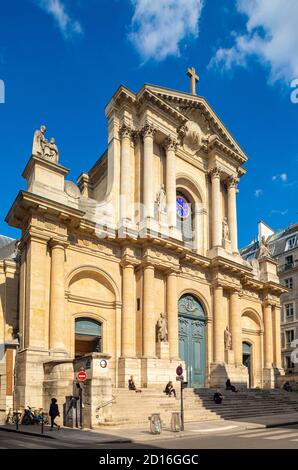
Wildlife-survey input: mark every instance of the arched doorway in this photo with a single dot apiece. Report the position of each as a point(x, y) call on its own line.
point(88, 336)
point(192, 339)
point(247, 359)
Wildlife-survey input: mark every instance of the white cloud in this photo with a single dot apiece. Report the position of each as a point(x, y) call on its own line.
point(282, 177)
point(57, 9)
point(159, 26)
point(271, 36)
point(258, 192)
point(274, 211)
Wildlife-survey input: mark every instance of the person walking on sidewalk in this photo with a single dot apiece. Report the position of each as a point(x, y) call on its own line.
point(54, 413)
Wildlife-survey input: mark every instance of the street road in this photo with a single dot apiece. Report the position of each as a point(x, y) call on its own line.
point(273, 438)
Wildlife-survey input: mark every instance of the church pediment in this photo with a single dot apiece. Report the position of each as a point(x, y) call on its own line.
point(202, 127)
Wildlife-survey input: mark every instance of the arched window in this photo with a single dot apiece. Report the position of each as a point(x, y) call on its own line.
point(88, 336)
point(185, 217)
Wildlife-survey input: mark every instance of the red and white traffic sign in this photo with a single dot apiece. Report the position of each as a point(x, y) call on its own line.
point(82, 376)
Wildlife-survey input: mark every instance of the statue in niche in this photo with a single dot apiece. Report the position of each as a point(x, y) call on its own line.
point(161, 200)
point(162, 329)
point(225, 229)
point(264, 249)
point(228, 339)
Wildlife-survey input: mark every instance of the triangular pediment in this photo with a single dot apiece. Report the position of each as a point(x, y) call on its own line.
point(196, 108)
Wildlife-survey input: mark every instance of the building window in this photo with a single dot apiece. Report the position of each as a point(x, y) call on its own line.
point(289, 283)
point(289, 363)
point(88, 336)
point(290, 336)
point(138, 304)
point(289, 262)
point(185, 221)
point(289, 310)
point(290, 243)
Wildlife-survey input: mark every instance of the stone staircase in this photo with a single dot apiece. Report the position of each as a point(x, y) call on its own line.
point(132, 408)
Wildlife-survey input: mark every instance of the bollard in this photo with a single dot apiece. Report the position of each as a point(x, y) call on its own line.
point(155, 423)
point(176, 422)
point(42, 423)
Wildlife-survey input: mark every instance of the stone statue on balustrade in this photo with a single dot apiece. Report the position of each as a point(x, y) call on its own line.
point(162, 329)
point(264, 251)
point(43, 148)
point(228, 339)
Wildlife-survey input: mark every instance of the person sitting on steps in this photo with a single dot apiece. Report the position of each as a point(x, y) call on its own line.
point(169, 390)
point(218, 397)
point(229, 386)
point(132, 385)
point(287, 387)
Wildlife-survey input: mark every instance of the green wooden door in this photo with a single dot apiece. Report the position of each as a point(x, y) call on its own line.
point(192, 342)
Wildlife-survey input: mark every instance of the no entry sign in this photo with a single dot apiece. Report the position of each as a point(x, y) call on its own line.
point(82, 376)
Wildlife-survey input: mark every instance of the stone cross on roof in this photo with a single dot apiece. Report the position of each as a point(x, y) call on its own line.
point(194, 78)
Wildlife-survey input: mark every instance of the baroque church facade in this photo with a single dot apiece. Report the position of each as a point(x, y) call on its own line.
point(138, 262)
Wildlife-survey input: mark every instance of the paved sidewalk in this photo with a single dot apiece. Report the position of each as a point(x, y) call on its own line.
point(141, 434)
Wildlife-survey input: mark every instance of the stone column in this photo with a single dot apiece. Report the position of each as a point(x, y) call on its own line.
point(170, 146)
point(148, 170)
point(216, 208)
point(268, 343)
point(125, 173)
point(149, 319)
point(218, 325)
point(235, 325)
point(232, 212)
point(277, 330)
point(128, 323)
point(57, 296)
point(172, 310)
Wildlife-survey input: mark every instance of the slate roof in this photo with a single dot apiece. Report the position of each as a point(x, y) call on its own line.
point(277, 243)
point(7, 247)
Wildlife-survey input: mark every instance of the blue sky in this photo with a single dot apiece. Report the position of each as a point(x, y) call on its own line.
point(62, 60)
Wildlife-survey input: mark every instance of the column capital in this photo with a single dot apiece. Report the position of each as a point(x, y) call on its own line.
point(55, 243)
point(148, 265)
point(128, 263)
point(232, 182)
point(172, 272)
point(215, 172)
point(267, 304)
point(125, 131)
point(148, 130)
point(170, 143)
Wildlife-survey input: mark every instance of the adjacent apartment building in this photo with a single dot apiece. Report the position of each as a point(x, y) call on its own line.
point(283, 246)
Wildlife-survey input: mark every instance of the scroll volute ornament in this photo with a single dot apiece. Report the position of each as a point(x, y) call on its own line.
point(148, 130)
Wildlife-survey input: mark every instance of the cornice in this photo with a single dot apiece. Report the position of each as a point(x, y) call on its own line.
point(145, 95)
point(202, 104)
point(27, 202)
